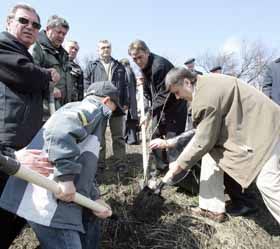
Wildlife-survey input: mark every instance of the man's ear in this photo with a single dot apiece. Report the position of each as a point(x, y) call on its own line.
point(187, 82)
point(8, 22)
point(48, 29)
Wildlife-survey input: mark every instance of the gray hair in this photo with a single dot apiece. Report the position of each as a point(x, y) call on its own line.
point(56, 21)
point(177, 75)
point(22, 6)
point(72, 42)
point(104, 41)
point(137, 46)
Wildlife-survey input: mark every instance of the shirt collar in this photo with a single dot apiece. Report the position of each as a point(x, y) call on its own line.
point(195, 86)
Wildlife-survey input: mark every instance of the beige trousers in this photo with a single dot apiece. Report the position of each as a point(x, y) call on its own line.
point(211, 190)
point(268, 183)
point(211, 193)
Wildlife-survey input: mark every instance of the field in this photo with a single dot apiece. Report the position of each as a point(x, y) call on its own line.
point(171, 226)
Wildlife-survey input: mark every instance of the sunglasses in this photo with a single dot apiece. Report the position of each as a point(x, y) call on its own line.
point(25, 21)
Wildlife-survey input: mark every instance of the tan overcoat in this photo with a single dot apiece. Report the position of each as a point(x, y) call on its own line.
point(237, 124)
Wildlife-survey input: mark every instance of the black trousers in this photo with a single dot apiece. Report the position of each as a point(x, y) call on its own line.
point(238, 196)
point(11, 225)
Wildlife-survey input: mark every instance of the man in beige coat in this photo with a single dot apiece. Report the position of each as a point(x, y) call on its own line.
point(237, 126)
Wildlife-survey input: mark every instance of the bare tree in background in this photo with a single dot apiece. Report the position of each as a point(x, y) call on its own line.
point(228, 61)
point(248, 63)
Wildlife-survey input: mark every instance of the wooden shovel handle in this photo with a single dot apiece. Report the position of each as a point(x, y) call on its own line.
point(42, 181)
point(143, 133)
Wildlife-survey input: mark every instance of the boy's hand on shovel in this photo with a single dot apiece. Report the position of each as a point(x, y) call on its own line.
point(105, 214)
point(67, 191)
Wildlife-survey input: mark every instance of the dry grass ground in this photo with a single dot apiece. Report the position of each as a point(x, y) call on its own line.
point(175, 228)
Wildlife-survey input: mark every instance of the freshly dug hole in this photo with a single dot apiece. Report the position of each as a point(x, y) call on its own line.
point(148, 206)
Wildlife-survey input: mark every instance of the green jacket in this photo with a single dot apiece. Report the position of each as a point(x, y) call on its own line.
point(47, 56)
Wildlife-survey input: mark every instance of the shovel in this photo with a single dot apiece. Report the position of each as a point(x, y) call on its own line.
point(13, 167)
point(143, 133)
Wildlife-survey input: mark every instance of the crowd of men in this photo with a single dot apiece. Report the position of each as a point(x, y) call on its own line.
point(39, 75)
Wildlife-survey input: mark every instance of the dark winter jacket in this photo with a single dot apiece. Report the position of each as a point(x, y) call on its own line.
point(175, 111)
point(95, 71)
point(132, 107)
point(47, 56)
point(77, 78)
point(271, 81)
point(22, 84)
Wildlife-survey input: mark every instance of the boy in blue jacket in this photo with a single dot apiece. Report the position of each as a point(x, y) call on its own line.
point(71, 141)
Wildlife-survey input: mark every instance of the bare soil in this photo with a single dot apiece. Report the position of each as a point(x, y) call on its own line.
point(169, 225)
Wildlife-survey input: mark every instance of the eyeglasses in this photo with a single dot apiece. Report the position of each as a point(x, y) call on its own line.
point(22, 20)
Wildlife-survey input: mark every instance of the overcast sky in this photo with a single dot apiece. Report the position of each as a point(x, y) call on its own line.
point(176, 29)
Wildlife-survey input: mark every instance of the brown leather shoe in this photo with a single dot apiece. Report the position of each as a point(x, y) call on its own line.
point(217, 217)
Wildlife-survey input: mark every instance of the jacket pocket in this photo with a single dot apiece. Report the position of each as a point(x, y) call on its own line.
point(15, 108)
